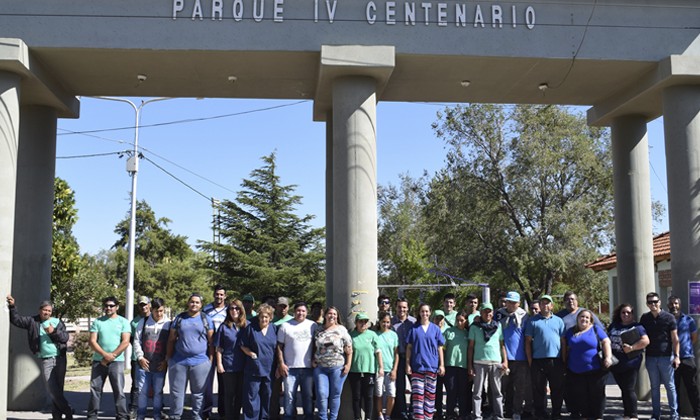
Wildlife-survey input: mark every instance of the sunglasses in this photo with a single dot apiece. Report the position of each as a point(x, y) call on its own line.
point(234, 308)
point(384, 302)
point(626, 313)
point(110, 306)
point(652, 302)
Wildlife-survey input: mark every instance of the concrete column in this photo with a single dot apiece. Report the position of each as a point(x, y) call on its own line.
point(9, 142)
point(682, 131)
point(633, 226)
point(329, 208)
point(31, 271)
point(681, 105)
point(354, 197)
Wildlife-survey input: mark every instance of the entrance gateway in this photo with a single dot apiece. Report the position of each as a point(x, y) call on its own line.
point(631, 62)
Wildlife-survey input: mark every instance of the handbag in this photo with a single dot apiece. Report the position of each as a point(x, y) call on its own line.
point(601, 354)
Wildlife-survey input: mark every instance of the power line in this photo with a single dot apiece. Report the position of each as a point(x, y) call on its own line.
point(189, 120)
point(176, 178)
point(93, 155)
point(573, 59)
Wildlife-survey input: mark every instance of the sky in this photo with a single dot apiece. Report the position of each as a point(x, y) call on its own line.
point(221, 142)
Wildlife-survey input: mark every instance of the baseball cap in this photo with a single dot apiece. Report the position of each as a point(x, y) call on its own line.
point(249, 297)
point(549, 298)
point(439, 312)
point(144, 300)
point(486, 305)
point(513, 296)
point(361, 315)
point(283, 301)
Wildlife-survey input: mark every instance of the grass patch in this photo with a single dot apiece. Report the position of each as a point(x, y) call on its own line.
point(76, 385)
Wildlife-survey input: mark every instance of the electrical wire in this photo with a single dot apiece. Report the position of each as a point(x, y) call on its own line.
point(573, 59)
point(209, 199)
point(189, 120)
point(93, 155)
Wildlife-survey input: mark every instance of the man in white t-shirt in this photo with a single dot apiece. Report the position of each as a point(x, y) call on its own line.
point(294, 351)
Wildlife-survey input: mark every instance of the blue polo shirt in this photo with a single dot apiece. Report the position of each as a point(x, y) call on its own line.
point(402, 328)
point(546, 336)
point(686, 326)
point(424, 354)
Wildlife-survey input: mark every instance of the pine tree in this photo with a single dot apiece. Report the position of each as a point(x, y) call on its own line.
point(266, 249)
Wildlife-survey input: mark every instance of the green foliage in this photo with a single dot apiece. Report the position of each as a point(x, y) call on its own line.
point(266, 248)
point(81, 349)
point(164, 265)
point(75, 285)
point(525, 199)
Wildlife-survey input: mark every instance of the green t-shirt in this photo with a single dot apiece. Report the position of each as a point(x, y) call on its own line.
point(109, 334)
point(451, 318)
point(134, 323)
point(279, 321)
point(251, 316)
point(363, 348)
point(486, 351)
point(47, 348)
point(387, 342)
point(456, 343)
point(470, 318)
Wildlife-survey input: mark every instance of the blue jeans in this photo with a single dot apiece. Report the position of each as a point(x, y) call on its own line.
point(660, 371)
point(155, 380)
point(304, 378)
point(329, 385)
point(197, 375)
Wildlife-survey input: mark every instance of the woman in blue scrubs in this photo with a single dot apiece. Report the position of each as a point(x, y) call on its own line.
point(230, 359)
point(258, 342)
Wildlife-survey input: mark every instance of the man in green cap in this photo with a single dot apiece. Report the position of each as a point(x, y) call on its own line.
point(545, 347)
point(248, 302)
point(487, 360)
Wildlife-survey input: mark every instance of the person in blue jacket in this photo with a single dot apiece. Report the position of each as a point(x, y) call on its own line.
point(259, 342)
point(191, 333)
point(230, 359)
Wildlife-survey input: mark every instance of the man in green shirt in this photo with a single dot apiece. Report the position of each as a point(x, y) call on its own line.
point(448, 304)
point(109, 337)
point(472, 305)
point(281, 315)
point(47, 339)
point(248, 303)
point(138, 375)
point(487, 360)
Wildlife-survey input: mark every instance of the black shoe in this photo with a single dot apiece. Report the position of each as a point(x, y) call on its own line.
point(133, 414)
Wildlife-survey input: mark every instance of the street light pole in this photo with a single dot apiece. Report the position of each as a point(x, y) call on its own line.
point(132, 223)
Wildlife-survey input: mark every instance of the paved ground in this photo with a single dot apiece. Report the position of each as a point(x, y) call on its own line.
point(79, 400)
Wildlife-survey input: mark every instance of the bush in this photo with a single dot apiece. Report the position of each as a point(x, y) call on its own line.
point(81, 349)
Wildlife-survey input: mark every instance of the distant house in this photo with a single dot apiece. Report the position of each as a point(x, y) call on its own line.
point(662, 270)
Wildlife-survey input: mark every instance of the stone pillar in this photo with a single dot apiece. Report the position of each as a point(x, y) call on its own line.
point(681, 105)
point(633, 226)
point(9, 142)
point(329, 208)
point(31, 271)
point(354, 197)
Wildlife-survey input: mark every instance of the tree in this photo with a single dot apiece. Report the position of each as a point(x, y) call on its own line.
point(525, 199)
point(266, 248)
point(164, 264)
point(76, 287)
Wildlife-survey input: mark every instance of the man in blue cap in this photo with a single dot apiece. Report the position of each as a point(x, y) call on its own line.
point(513, 319)
point(545, 347)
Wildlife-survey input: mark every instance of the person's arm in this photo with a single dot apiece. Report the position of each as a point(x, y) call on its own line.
point(607, 352)
point(639, 345)
point(470, 359)
point(504, 355)
point(282, 368)
point(59, 334)
point(172, 338)
point(138, 346)
point(348, 360)
point(409, 353)
point(219, 361)
point(441, 358)
point(676, 349)
point(693, 337)
point(564, 348)
point(380, 362)
point(15, 319)
point(395, 369)
point(126, 339)
point(528, 349)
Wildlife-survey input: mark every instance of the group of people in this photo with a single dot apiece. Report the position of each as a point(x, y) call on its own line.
point(485, 359)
